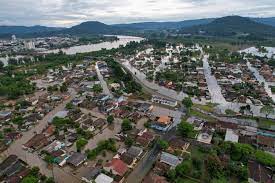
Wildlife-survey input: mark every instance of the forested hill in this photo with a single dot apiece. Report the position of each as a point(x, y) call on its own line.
point(231, 26)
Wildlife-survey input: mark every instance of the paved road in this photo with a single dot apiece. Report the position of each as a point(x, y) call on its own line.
point(147, 162)
point(104, 85)
point(32, 158)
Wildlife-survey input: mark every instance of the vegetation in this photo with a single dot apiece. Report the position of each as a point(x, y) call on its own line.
point(126, 125)
point(186, 129)
point(267, 110)
point(163, 144)
point(108, 145)
point(14, 86)
point(80, 144)
point(110, 119)
point(187, 102)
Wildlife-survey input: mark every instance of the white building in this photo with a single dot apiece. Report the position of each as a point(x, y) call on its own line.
point(231, 136)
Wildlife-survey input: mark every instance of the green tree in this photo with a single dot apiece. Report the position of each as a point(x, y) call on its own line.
point(63, 88)
point(126, 125)
point(187, 102)
point(214, 166)
point(163, 144)
point(1, 66)
point(30, 179)
point(110, 119)
point(267, 110)
point(129, 141)
point(97, 88)
point(80, 144)
point(185, 129)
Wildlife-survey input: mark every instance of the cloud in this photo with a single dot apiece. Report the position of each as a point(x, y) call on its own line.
point(71, 12)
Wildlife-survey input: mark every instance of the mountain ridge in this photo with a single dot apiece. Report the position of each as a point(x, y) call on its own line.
point(96, 27)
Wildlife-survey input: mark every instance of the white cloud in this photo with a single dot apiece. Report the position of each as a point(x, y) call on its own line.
point(71, 12)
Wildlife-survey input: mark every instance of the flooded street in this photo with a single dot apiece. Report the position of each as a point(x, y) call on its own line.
point(153, 86)
point(213, 87)
point(261, 79)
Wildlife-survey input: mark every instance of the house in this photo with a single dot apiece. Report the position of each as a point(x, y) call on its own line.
point(102, 178)
point(164, 101)
point(205, 136)
point(5, 115)
point(99, 123)
point(115, 86)
point(7, 163)
point(90, 174)
point(36, 142)
point(128, 159)
point(259, 173)
point(267, 142)
point(60, 114)
point(143, 107)
point(76, 159)
point(231, 136)
point(135, 151)
point(145, 138)
point(153, 178)
point(177, 145)
point(162, 123)
point(170, 159)
point(116, 167)
point(54, 146)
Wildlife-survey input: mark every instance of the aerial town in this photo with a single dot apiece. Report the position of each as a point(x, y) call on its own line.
point(150, 116)
point(191, 101)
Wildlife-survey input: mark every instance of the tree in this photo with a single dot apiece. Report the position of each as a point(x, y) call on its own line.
point(30, 179)
point(1, 66)
point(63, 88)
point(187, 102)
point(129, 142)
point(185, 129)
point(183, 168)
point(214, 166)
point(80, 143)
point(110, 119)
point(267, 110)
point(126, 125)
point(163, 144)
point(97, 88)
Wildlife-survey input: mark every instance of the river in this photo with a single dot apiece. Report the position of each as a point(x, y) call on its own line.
point(123, 40)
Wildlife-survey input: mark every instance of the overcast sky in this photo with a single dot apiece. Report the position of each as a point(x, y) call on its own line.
point(70, 12)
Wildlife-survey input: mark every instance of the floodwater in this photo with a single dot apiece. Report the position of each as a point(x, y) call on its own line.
point(123, 40)
point(261, 79)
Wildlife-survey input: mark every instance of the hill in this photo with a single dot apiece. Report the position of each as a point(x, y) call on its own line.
point(92, 27)
point(232, 26)
point(7, 31)
point(268, 21)
point(164, 25)
point(219, 26)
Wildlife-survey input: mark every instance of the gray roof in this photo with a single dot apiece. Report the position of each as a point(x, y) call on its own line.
point(76, 159)
point(91, 173)
point(170, 159)
point(135, 151)
point(5, 113)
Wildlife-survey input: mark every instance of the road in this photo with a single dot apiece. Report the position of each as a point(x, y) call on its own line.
point(104, 85)
point(32, 158)
point(147, 162)
point(214, 89)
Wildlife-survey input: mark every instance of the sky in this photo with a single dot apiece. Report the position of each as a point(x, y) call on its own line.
point(66, 13)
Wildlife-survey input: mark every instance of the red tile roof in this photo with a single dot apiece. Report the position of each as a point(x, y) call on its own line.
point(118, 165)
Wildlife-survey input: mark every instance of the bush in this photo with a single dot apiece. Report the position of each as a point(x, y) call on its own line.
point(265, 158)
